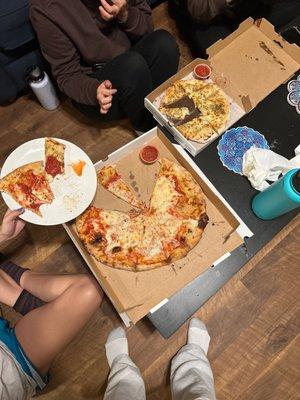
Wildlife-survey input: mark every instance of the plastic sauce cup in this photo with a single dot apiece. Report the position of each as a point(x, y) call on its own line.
point(202, 71)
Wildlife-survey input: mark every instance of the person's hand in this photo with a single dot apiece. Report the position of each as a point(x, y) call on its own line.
point(105, 94)
point(11, 224)
point(118, 9)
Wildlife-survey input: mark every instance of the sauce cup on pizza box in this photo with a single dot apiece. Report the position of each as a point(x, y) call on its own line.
point(202, 71)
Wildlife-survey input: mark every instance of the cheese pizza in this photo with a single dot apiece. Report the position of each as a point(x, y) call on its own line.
point(207, 98)
point(164, 232)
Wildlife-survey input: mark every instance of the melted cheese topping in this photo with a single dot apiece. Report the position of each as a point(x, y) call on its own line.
point(164, 195)
point(153, 235)
point(127, 235)
point(123, 191)
point(151, 245)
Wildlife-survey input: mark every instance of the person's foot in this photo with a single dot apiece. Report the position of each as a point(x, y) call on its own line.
point(197, 334)
point(116, 344)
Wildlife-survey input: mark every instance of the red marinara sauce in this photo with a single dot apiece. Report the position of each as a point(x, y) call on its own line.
point(25, 189)
point(176, 184)
point(202, 71)
point(149, 154)
point(53, 167)
point(112, 179)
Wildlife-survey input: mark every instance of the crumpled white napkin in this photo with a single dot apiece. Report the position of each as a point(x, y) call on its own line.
point(262, 165)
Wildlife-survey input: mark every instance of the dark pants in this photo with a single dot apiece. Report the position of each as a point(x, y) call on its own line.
point(201, 36)
point(135, 74)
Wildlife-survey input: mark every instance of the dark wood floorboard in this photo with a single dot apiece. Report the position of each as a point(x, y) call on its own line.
point(253, 320)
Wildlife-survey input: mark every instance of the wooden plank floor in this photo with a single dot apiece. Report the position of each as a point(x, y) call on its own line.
point(253, 320)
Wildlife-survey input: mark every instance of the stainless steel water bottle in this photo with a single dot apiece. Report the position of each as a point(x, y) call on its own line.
point(43, 89)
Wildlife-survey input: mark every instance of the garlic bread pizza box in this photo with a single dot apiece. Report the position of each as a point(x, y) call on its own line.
point(134, 294)
point(247, 65)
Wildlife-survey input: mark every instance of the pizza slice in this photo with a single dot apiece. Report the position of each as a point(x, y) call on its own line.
point(199, 96)
point(109, 178)
point(217, 104)
point(28, 186)
point(216, 111)
point(193, 85)
point(176, 192)
point(151, 253)
point(54, 158)
point(174, 93)
point(175, 114)
point(198, 130)
point(217, 121)
point(165, 191)
point(112, 237)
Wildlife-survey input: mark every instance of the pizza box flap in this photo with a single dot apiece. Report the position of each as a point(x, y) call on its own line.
point(255, 59)
point(136, 293)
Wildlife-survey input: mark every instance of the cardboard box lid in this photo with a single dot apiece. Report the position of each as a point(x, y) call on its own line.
point(255, 59)
point(137, 293)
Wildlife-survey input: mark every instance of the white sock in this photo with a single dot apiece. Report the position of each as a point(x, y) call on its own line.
point(197, 334)
point(116, 344)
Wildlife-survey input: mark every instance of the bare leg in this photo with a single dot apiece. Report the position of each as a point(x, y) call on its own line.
point(9, 289)
point(48, 287)
point(45, 331)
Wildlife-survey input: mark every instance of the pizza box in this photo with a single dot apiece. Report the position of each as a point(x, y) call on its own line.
point(134, 294)
point(248, 65)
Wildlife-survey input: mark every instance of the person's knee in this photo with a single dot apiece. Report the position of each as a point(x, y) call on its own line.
point(88, 290)
point(165, 43)
point(135, 68)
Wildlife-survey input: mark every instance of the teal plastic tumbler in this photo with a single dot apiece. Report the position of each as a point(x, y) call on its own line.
point(279, 198)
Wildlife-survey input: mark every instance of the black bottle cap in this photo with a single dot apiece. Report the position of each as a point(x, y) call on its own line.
point(296, 181)
point(36, 74)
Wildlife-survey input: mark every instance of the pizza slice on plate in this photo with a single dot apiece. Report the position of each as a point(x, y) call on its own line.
point(54, 158)
point(111, 180)
point(28, 186)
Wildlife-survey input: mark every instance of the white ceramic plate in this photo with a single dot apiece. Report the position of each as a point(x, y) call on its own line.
point(72, 193)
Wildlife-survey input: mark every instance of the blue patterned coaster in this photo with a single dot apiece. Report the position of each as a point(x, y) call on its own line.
point(235, 142)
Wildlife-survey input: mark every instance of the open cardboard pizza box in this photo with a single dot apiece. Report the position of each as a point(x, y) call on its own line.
point(134, 294)
point(248, 65)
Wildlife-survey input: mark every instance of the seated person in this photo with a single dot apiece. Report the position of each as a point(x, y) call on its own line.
point(105, 55)
point(203, 22)
point(53, 315)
